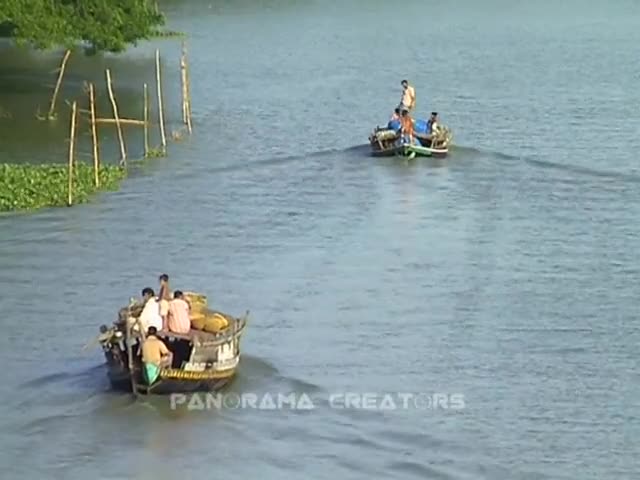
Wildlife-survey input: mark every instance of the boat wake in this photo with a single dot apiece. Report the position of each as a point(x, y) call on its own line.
point(81, 377)
point(287, 159)
point(548, 164)
point(592, 172)
point(456, 152)
point(256, 375)
point(465, 151)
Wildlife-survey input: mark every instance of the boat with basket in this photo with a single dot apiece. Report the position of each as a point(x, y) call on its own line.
point(204, 360)
point(388, 142)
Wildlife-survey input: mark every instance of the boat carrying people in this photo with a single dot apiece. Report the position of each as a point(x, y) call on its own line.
point(187, 349)
point(408, 137)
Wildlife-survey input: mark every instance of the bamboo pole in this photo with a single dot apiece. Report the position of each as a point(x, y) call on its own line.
point(146, 120)
point(121, 121)
point(160, 107)
point(54, 97)
point(72, 141)
point(183, 78)
point(94, 135)
point(123, 153)
point(188, 102)
point(129, 340)
point(187, 81)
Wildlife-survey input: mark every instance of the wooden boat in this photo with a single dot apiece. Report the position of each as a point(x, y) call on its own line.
point(203, 361)
point(409, 151)
point(387, 143)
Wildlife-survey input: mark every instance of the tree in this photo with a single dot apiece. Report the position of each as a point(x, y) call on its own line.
point(106, 25)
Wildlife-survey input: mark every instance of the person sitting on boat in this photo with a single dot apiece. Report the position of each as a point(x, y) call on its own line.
point(432, 127)
point(179, 319)
point(395, 121)
point(408, 100)
point(164, 297)
point(432, 123)
point(150, 316)
point(155, 356)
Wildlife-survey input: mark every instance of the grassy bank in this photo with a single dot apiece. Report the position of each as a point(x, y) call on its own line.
point(30, 187)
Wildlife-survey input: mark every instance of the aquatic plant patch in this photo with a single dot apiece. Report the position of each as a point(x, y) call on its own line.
point(30, 187)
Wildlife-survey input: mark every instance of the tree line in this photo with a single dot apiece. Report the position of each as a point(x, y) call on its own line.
point(103, 25)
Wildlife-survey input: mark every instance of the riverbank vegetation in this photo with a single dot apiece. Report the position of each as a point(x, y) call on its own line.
point(104, 25)
point(30, 187)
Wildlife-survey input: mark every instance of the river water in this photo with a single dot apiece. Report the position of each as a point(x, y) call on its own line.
point(506, 275)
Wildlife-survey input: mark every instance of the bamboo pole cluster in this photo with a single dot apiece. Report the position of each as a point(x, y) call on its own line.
point(117, 120)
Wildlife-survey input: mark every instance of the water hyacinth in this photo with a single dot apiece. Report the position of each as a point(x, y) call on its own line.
point(30, 187)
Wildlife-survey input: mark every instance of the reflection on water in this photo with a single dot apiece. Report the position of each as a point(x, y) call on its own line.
point(27, 81)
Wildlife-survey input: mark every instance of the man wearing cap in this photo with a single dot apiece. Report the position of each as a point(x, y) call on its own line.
point(408, 96)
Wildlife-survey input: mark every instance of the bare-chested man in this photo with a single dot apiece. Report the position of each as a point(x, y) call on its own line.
point(164, 297)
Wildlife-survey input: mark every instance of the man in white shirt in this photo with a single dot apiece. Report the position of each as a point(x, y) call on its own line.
point(150, 316)
point(433, 130)
point(432, 124)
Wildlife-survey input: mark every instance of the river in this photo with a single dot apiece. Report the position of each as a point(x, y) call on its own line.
point(506, 275)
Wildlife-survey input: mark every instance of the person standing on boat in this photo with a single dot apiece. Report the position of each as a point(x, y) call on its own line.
point(164, 297)
point(179, 319)
point(408, 100)
point(155, 356)
point(150, 316)
point(407, 128)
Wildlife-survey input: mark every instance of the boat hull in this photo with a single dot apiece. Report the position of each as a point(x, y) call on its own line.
point(409, 151)
point(120, 380)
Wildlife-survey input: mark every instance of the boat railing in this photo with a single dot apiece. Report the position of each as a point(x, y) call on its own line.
point(131, 329)
point(204, 338)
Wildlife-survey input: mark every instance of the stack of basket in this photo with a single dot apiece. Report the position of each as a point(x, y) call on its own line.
point(202, 318)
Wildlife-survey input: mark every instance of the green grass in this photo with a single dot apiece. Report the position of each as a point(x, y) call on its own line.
point(30, 187)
